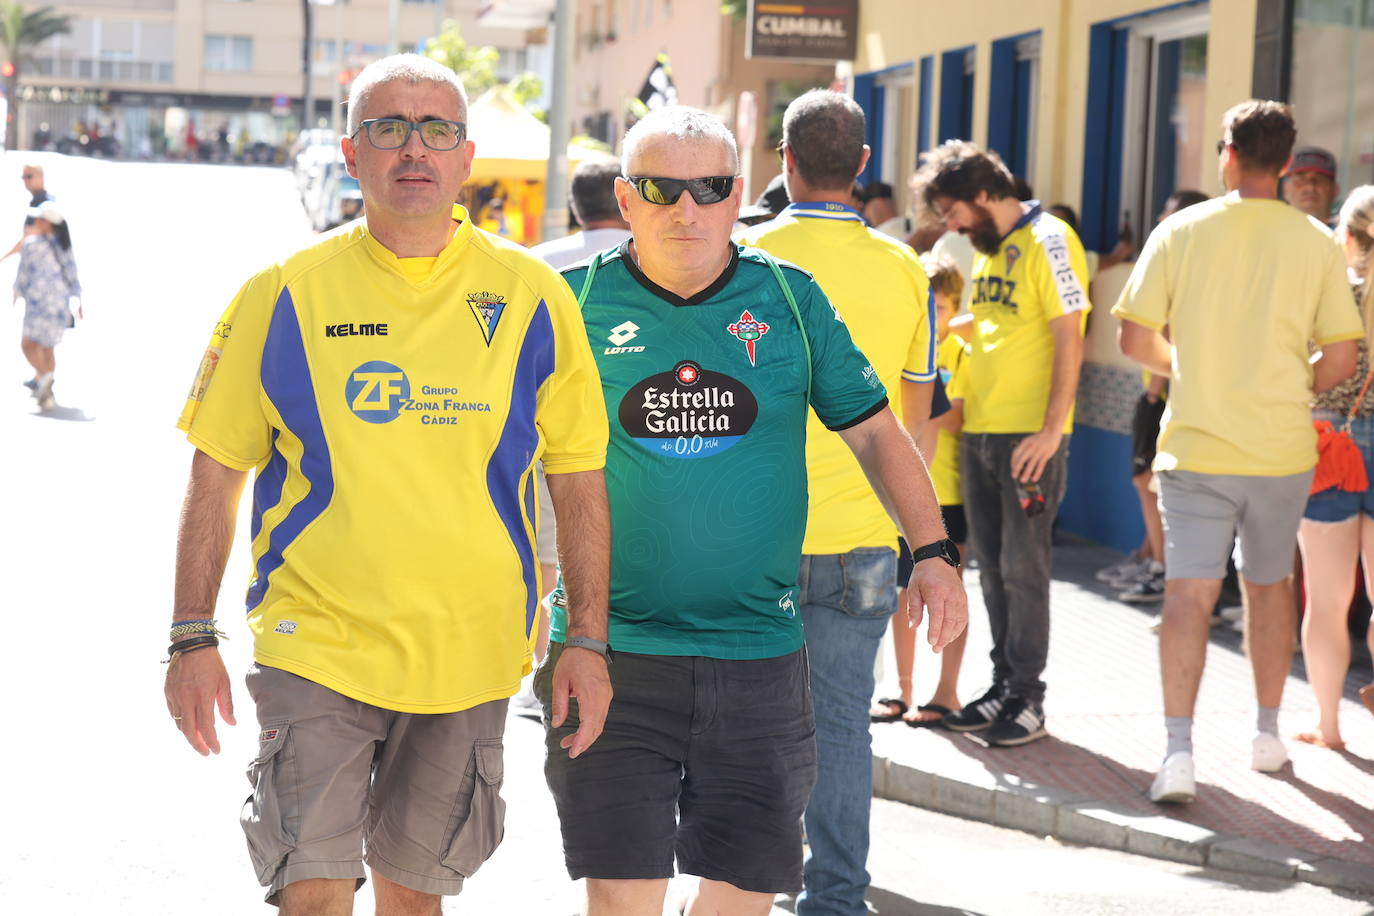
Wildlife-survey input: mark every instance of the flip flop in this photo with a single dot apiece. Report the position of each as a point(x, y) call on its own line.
point(1367, 696)
point(889, 716)
point(929, 723)
point(1316, 740)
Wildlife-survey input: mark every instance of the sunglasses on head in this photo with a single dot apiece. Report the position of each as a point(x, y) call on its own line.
point(666, 191)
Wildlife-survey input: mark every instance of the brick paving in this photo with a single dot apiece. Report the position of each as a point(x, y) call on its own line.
point(1105, 717)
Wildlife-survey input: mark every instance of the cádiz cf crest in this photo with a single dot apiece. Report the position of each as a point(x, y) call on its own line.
point(487, 308)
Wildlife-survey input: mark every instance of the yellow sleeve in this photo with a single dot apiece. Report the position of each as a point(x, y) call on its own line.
point(1337, 318)
point(920, 357)
point(1060, 274)
point(958, 374)
point(223, 416)
point(1145, 298)
point(570, 409)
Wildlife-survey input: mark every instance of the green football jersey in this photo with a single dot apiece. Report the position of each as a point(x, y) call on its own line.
point(706, 467)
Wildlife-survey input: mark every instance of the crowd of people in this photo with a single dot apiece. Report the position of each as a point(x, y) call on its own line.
point(760, 439)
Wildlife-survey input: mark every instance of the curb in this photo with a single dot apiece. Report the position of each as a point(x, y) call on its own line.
point(1052, 812)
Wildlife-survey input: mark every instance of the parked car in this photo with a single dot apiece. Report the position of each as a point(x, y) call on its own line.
point(333, 197)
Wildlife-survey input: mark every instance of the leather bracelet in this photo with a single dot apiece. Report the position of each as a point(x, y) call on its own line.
point(202, 641)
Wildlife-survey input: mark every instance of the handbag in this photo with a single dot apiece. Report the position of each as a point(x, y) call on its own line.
point(1339, 462)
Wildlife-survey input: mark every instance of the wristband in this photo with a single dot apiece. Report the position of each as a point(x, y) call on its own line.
point(189, 645)
point(586, 642)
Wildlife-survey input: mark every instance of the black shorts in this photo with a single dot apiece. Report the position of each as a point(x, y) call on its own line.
point(1145, 433)
point(709, 761)
point(956, 525)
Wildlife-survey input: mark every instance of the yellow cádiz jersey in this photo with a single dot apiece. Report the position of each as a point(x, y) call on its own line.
point(1243, 285)
point(951, 356)
point(880, 290)
point(393, 422)
point(1038, 274)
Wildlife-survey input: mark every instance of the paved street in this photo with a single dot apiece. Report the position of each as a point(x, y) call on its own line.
point(107, 810)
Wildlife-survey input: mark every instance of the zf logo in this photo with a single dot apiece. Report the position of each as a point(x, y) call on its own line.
point(376, 391)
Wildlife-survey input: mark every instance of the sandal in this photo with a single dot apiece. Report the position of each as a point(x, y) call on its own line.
point(937, 722)
point(895, 709)
point(1316, 740)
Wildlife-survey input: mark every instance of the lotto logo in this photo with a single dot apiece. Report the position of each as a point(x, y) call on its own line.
point(622, 334)
point(376, 390)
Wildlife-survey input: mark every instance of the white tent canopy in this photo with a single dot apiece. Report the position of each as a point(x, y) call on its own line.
point(511, 142)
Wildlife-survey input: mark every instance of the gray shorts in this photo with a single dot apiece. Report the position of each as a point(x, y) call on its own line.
point(1204, 514)
point(545, 540)
point(335, 776)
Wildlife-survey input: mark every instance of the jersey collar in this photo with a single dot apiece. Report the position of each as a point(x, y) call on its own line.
point(824, 210)
point(458, 240)
point(668, 295)
point(1026, 218)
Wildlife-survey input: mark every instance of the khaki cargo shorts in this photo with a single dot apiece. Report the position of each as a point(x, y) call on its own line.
point(337, 782)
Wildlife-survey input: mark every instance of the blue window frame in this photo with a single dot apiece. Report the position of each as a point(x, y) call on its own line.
point(1011, 104)
point(924, 105)
point(956, 94)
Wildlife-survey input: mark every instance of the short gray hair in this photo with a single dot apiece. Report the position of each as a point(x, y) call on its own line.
point(679, 122)
point(413, 69)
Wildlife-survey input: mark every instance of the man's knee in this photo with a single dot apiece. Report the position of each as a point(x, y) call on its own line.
point(626, 897)
point(1191, 596)
point(318, 897)
point(398, 900)
point(719, 898)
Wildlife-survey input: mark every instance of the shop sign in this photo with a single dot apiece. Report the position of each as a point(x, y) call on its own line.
point(822, 31)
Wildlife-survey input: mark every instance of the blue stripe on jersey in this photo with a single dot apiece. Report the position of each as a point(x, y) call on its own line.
point(267, 488)
point(515, 451)
point(286, 382)
point(823, 210)
point(931, 326)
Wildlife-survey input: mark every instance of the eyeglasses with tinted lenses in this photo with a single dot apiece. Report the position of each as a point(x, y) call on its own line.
point(27, 176)
point(666, 191)
point(394, 133)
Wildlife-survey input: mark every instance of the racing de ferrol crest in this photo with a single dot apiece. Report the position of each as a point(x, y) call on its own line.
point(487, 308)
point(748, 330)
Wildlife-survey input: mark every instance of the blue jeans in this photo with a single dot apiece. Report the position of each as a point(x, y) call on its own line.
point(846, 600)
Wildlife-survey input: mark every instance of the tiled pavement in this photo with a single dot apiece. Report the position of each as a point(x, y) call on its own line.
point(1086, 783)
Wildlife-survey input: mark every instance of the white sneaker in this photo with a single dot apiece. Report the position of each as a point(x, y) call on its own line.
point(1232, 614)
point(1125, 569)
point(1174, 783)
point(1268, 753)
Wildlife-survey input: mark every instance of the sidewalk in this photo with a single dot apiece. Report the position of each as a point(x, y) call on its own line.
point(1086, 783)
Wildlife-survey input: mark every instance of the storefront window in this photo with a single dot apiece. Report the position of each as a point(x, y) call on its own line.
point(1332, 87)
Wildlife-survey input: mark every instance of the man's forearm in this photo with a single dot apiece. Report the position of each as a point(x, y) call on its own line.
point(898, 476)
point(584, 548)
point(1148, 347)
point(1337, 363)
point(1068, 363)
point(205, 535)
point(916, 401)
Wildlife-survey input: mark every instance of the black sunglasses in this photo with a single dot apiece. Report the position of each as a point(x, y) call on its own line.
point(666, 191)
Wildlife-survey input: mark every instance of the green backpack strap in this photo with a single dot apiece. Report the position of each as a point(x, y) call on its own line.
point(587, 283)
point(796, 313)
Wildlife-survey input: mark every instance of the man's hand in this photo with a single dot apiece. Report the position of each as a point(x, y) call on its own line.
point(1032, 453)
point(196, 684)
point(581, 673)
point(938, 588)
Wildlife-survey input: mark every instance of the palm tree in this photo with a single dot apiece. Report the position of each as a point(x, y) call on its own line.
point(22, 30)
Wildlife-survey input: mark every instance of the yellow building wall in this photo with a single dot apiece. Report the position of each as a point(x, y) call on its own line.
point(894, 32)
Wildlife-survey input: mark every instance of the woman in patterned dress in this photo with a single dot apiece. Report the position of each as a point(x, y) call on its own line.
point(46, 281)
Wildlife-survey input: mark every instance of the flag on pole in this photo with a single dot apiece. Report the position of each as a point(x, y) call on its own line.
point(658, 89)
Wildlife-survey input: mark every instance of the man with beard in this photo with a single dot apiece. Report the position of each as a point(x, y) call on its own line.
point(1030, 305)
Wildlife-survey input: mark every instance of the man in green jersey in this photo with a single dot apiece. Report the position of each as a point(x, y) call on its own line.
point(710, 356)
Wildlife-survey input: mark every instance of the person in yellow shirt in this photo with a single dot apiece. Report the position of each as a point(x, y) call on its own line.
point(391, 386)
point(1224, 301)
point(1030, 306)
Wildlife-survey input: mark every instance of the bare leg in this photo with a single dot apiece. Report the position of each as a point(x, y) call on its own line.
point(1367, 558)
point(904, 647)
point(626, 898)
point(1329, 551)
point(318, 897)
point(1270, 623)
point(716, 898)
point(1154, 526)
point(1183, 633)
point(43, 359)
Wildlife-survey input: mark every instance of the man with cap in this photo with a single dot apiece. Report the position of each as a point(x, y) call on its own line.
point(1310, 183)
point(771, 202)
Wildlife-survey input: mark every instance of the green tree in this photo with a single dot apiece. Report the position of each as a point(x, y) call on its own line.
point(21, 31)
point(476, 66)
point(736, 8)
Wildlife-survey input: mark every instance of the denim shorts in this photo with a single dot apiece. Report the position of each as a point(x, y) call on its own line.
point(1335, 504)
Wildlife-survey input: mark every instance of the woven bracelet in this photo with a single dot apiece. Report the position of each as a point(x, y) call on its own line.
point(193, 627)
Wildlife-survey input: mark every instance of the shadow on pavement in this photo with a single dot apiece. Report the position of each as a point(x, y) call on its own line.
point(888, 903)
point(1105, 783)
point(71, 414)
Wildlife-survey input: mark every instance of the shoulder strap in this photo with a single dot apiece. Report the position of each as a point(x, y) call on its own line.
point(587, 283)
point(796, 314)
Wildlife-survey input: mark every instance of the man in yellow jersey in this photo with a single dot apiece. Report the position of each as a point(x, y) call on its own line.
point(849, 554)
point(1237, 448)
point(1030, 306)
point(391, 386)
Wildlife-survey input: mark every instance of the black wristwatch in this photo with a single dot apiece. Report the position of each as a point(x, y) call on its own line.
point(586, 642)
point(945, 549)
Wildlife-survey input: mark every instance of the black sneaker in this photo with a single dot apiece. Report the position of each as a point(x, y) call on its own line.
point(1147, 590)
point(978, 714)
point(1019, 722)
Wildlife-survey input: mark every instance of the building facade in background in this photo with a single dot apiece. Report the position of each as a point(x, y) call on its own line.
point(153, 74)
point(1110, 106)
